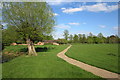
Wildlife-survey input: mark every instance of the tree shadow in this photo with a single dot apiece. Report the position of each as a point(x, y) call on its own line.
point(38, 49)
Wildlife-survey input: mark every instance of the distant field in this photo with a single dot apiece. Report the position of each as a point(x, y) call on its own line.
point(45, 65)
point(100, 55)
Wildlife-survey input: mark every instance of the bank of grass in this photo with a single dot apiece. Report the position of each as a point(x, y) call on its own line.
point(100, 55)
point(45, 65)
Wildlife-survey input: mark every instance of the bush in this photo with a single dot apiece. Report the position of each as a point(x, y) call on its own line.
point(62, 41)
point(48, 44)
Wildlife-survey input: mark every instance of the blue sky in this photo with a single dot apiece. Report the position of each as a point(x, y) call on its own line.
point(83, 18)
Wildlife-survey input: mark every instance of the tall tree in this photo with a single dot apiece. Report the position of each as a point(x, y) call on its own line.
point(80, 38)
point(84, 39)
point(113, 39)
point(90, 34)
point(90, 38)
point(75, 38)
point(100, 35)
point(66, 34)
point(100, 38)
point(29, 19)
point(71, 38)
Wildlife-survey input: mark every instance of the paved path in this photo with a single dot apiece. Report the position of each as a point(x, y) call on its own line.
point(97, 71)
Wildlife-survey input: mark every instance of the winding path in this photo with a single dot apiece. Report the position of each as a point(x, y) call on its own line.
point(97, 71)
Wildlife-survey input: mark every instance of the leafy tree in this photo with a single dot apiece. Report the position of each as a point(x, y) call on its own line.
point(75, 38)
point(66, 34)
point(29, 20)
point(90, 34)
point(62, 41)
point(113, 39)
point(84, 39)
point(80, 38)
point(71, 38)
point(9, 36)
point(49, 37)
point(100, 35)
point(95, 40)
point(100, 38)
point(90, 38)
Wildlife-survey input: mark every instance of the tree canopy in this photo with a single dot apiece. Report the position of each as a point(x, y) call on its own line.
point(29, 19)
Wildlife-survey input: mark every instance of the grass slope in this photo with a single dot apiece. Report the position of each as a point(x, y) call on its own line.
point(100, 55)
point(45, 65)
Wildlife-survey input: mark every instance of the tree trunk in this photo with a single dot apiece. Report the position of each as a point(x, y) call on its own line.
point(31, 48)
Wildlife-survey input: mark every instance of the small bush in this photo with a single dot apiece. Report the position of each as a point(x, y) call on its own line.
point(48, 44)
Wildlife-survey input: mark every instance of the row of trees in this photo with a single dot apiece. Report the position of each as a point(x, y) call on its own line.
point(82, 38)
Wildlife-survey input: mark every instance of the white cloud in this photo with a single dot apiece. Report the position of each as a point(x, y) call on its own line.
point(54, 2)
point(63, 8)
point(55, 14)
point(74, 23)
point(92, 8)
point(102, 26)
point(57, 2)
point(63, 26)
point(71, 10)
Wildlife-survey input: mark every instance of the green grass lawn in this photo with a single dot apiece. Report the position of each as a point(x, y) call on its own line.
point(0, 71)
point(45, 65)
point(100, 55)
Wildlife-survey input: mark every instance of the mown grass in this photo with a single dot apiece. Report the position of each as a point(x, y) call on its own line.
point(45, 65)
point(100, 55)
point(11, 52)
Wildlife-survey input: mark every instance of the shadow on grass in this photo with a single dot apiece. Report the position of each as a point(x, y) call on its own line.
point(38, 49)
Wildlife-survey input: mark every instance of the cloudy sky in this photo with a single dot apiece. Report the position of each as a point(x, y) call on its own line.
point(79, 17)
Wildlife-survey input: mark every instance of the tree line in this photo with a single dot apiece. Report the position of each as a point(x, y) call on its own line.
point(90, 38)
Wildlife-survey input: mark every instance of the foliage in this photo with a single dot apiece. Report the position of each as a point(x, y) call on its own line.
point(71, 38)
point(66, 34)
point(62, 41)
point(92, 39)
point(29, 20)
point(75, 38)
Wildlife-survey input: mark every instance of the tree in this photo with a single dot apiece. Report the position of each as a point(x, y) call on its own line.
point(84, 38)
point(75, 38)
point(90, 38)
point(100, 35)
point(7, 34)
point(113, 39)
point(90, 34)
point(80, 38)
point(62, 41)
point(66, 34)
point(95, 40)
point(29, 20)
point(71, 38)
point(100, 38)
